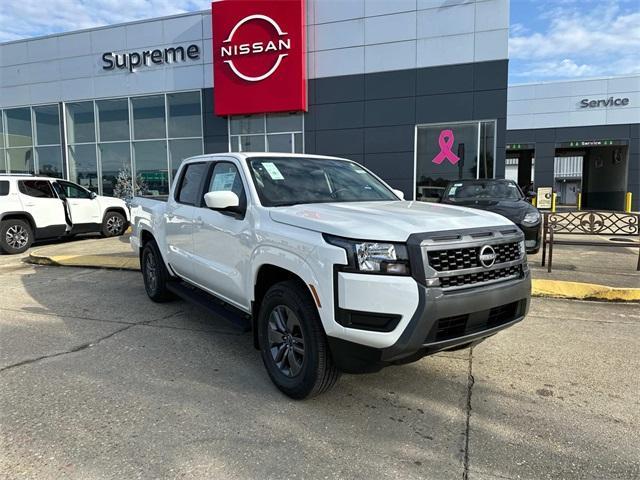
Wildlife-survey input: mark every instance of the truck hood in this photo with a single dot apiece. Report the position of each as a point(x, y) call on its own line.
point(390, 221)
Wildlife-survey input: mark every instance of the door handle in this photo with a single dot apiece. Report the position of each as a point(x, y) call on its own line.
point(29, 204)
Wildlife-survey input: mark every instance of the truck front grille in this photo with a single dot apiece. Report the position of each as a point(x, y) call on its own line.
point(462, 258)
point(480, 277)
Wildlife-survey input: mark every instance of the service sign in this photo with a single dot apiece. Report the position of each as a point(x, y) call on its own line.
point(544, 198)
point(259, 60)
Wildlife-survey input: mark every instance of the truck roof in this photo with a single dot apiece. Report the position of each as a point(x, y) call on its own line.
point(245, 155)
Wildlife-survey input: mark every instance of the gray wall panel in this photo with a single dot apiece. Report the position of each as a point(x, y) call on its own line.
point(444, 108)
point(216, 144)
point(331, 116)
point(340, 89)
point(490, 104)
point(489, 75)
point(333, 142)
point(446, 79)
point(391, 165)
point(393, 111)
point(388, 139)
point(401, 83)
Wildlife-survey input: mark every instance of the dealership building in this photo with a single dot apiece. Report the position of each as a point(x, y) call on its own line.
point(416, 90)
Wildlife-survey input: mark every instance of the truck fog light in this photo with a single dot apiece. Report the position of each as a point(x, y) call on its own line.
point(433, 282)
point(396, 268)
point(530, 243)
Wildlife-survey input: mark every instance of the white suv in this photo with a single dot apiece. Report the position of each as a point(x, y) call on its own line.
point(36, 208)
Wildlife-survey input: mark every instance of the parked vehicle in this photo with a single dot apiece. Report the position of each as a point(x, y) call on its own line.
point(499, 196)
point(327, 265)
point(37, 208)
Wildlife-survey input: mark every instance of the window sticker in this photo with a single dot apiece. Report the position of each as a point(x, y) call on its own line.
point(452, 190)
point(273, 171)
point(223, 182)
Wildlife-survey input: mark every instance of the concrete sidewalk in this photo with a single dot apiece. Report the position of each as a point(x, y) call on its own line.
point(584, 273)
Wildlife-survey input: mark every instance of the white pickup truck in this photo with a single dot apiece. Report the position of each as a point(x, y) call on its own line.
point(327, 265)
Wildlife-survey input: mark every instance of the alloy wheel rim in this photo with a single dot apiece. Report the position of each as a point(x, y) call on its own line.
point(17, 237)
point(151, 272)
point(286, 341)
point(114, 224)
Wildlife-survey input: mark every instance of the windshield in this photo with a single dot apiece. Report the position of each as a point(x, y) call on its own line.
point(284, 181)
point(491, 189)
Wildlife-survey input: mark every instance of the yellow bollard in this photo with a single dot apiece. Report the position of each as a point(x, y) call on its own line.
point(627, 202)
point(533, 201)
point(553, 202)
point(579, 201)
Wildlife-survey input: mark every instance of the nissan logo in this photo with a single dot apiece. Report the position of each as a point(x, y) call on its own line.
point(281, 45)
point(487, 256)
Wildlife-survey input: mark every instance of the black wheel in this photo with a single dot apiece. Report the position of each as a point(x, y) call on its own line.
point(155, 274)
point(16, 236)
point(113, 225)
point(293, 344)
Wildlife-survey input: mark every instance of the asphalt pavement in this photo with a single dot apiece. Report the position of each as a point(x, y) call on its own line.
point(98, 382)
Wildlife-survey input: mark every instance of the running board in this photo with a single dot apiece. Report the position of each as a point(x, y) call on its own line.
point(214, 305)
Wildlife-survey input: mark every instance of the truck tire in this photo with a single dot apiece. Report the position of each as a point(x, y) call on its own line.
point(113, 224)
point(16, 236)
point(155, 273)
point(293, 345)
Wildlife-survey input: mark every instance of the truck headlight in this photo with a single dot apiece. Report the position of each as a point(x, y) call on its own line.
point(374, 257)
point(531, 218)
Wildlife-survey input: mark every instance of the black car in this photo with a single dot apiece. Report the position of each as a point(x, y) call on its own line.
point(499, 196)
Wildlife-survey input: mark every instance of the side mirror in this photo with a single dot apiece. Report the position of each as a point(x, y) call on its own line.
point(221, 200)
point(93, 195)
point(399, 193)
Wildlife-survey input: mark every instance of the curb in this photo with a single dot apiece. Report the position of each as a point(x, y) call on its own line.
point(583, 291)
point(109, 262)
point(539, 288)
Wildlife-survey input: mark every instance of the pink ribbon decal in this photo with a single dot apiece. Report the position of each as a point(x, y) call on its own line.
point(445, 142)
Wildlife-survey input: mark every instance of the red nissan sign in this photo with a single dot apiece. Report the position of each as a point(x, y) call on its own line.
point(259, 60)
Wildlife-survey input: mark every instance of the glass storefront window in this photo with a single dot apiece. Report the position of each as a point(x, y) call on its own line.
point(148, 117)
point(50, 161)
point(185, 119)
point(280, 142)
point(3, 168)
point(274, 132)
point(115, 159)
point(83, 166)
point(18, 124)
point(451, 151)
point(113, 119)
point(80, 123)
point(20, 160)
point(47, 125)
point(487, 154)
point(150, 160)
point(246, 125)
point(181, 149)
point(252, 143)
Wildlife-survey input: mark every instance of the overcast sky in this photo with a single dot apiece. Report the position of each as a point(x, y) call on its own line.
point(549, 39)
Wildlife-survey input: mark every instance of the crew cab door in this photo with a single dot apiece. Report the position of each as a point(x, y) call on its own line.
point(223, 239)
point(47, 210)
point(83, 207)
point(179, 215)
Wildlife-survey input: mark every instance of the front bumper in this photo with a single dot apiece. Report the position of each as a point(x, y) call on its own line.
point(442, 321)
point(532, 237)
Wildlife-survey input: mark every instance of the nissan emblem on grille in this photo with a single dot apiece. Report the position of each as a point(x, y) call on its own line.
point(487, 256)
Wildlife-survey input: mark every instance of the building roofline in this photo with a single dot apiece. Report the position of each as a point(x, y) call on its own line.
point(586, 79)
point(104, 27)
